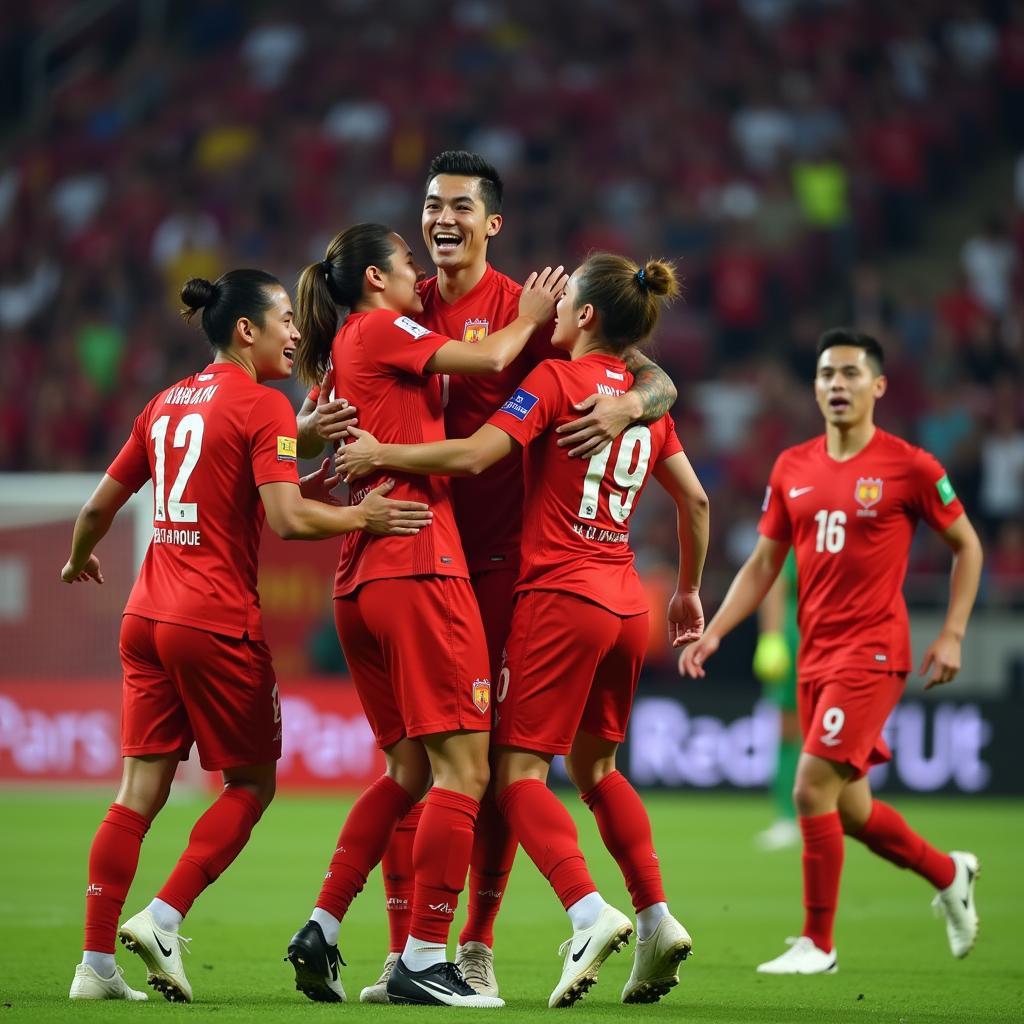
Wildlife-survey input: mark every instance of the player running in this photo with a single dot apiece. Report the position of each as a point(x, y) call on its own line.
point(848, 503)
point(579, 629)
point(425, 690)
point(220, 450)
point(468, 300)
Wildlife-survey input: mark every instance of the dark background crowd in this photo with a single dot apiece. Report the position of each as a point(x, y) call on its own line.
point(784, 153)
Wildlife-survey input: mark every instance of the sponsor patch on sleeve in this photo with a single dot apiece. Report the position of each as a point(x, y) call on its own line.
point(403, 323)
point(286, 449)
point(520, 404)
point(945, 489)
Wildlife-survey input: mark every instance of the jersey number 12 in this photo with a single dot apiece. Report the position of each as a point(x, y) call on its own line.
point(190, 431)
point(636, 443)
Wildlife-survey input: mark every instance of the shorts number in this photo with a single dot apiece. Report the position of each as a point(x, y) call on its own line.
point(831, 531)
point(832, 722)
point(503, 678)
point(636, 442)
point(190, 427)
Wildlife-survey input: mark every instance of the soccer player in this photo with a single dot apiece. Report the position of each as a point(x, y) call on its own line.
point(220, 450)
point(425, 690)
point(847, 502)
point(467, 300)
point(775, 665)
point(579, 629)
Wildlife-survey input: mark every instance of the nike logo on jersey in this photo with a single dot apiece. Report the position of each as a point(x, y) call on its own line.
point(166, 952)
point(795, 492)
point(576, 956)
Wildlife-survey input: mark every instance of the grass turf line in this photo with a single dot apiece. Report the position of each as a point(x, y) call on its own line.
point(738, 904)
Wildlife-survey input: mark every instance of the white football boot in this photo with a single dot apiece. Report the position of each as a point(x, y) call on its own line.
point(655, 962)
point(161, 952)
point(956, 904)
point(378, 991)
point(585, 951)
point(89, 985)
point(476, 961)
point(802, 957)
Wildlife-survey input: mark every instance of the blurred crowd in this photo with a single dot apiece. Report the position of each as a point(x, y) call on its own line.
point(777, 149)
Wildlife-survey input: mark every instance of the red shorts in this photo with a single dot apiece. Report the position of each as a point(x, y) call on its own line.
point(185, 685)
point(571, 666)
point(842, 720)
point(416, 650)
point(495, 594)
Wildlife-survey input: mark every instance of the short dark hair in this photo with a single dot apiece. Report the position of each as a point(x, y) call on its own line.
point(855, 339)
point(470, 165)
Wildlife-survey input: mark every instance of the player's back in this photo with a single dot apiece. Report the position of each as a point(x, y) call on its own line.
point(197, 441)
point(576, 513)
point(399, 404)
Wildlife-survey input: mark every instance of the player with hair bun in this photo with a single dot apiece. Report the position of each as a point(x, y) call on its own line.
point(220, 450)
point(579, 629)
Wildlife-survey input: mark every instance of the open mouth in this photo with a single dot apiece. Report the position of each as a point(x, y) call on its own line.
point(445, 242)
point(839, 404)
point(289, 354)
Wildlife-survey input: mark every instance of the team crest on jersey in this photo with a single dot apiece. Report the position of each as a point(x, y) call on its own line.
point(482, 695)
point(868, 491)
point(475, 331)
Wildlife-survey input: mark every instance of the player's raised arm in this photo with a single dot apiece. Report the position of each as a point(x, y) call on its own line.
point(536, 306)
point(942, 658)
point(685, 614)
point(293, 517)
point(91, 527)
point(745, 593)
point(466, 456)
point(604, 417)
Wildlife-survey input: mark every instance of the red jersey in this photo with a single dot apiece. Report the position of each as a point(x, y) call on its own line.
point(851, 524)
point(488, 507)
point(576, 526)
point(379, 361)
point(208, 443)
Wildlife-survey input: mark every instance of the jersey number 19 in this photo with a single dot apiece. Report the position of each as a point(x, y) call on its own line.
point(636, 443)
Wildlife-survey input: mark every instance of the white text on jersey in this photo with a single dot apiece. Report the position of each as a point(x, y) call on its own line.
point(190, 396)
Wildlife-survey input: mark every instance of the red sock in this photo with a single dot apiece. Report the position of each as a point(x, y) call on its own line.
point(397, 869)
point(113, 859)
point(217, 838)
point(626, 830)
point(361, 844)
point(887, 834)
point(548, 835)
point(494, 850)
point(440, 855)
point(823, 864)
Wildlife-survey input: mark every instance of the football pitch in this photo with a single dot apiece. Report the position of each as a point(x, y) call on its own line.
point(739, 905)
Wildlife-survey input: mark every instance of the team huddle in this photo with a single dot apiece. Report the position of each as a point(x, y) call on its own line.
point(496, 439)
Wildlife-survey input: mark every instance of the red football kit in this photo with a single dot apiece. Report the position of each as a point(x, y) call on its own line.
point(851, 524)
point(425, 671)
point(579, 629)
point(192, 644)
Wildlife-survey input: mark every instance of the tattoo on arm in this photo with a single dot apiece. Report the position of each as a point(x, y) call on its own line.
point(651, 383)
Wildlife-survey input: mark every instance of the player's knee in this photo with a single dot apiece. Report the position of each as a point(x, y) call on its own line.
point(810, 798)
point(586, 772)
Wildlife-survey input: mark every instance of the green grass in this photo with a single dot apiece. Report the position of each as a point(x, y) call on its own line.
point(739, 906)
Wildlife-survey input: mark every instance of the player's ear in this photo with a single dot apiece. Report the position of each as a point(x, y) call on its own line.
point(880, 384)
point(375, 278)
point(243, 328)
point(494, 222)
point(585, 315)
